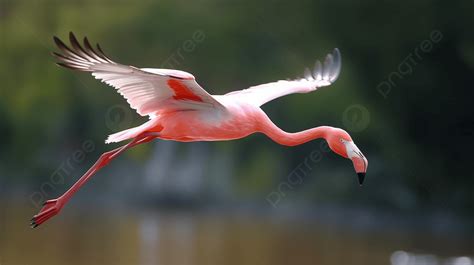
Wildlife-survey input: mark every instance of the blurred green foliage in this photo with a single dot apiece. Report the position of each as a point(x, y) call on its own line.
point(418, 141)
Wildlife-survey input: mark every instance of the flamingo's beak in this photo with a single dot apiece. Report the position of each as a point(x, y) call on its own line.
point(361, 177)
point(358, 160)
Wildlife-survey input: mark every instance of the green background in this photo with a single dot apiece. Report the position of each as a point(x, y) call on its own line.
point(417, 133)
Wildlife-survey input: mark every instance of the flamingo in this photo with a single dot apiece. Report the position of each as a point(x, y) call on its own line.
point(179, 109)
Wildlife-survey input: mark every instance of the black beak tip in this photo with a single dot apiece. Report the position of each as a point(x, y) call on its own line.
point(361, 177)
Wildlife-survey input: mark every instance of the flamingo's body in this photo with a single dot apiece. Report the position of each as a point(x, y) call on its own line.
point(180, 110)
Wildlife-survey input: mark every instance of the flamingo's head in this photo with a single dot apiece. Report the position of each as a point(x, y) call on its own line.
point(341, 143)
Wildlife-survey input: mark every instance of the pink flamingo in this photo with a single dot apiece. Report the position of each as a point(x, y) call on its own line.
point(180, 109)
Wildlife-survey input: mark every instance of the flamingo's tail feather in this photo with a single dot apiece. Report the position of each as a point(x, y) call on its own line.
point(129, 133)
point(122, 135)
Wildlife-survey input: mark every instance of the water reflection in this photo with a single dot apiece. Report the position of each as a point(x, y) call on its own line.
point(406, 258)
point(148, 239)
point(184, 237)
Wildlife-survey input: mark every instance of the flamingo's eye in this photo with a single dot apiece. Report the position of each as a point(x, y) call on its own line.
point(342, 140)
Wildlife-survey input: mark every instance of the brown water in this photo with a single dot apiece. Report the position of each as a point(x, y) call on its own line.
point(146, 237)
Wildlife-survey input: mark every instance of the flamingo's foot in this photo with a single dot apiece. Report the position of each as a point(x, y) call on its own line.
point(50, 209)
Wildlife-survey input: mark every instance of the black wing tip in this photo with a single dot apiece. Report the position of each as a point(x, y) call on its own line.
point(58, 56)
point(64, 65)
point(73, 39)
point(59, 42)
point(87, 43)
point(72, 67)
point(102, 54)
point(76, 52)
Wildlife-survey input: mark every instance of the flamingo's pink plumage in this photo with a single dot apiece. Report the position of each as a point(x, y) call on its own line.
point(180, 109)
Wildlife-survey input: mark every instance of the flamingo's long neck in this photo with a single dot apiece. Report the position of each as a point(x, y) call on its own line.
point(291, 139)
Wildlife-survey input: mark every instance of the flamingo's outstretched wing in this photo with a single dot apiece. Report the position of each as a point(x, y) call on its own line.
point(149, 91)
point(322, 75)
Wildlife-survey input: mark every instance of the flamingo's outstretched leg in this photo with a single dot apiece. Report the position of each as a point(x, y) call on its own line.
point(52, 207)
